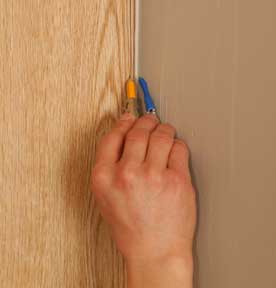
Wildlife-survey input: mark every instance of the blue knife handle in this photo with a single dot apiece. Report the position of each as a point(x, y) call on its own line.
point(150, 107)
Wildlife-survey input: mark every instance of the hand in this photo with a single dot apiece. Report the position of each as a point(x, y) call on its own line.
point(142, 184)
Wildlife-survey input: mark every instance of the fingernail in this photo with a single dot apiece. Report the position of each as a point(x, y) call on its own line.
point(127, 116)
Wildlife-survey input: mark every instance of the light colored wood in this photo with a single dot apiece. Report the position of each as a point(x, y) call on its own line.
point(211, 65)
point(63, 65)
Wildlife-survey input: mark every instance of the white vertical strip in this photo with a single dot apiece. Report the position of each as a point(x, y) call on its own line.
point(137, 36)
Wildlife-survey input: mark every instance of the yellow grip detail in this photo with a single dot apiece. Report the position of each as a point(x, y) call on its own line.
point(131, 89)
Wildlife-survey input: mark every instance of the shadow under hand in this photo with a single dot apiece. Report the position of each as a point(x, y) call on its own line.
point(89, 244)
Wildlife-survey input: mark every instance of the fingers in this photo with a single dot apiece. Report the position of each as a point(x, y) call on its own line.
point(110, 147)
point(179, 158)
point(160, 145)
point(137, 139)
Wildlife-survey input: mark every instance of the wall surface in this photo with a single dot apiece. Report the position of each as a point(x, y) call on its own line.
point(63, 65)
point(211, 65)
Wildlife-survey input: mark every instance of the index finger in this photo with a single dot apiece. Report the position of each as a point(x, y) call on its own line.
point(110, 147)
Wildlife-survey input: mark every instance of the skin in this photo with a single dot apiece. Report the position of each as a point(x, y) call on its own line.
point(142, 184)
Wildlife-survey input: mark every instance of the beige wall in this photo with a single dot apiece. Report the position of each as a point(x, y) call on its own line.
point(212, 68)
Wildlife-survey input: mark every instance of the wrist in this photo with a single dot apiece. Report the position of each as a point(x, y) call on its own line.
point(176, 271)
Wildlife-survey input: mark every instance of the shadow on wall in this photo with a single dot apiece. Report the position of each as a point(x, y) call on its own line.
point(196, 257)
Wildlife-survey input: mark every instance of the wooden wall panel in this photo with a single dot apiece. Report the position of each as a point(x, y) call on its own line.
point(211, 66)
point(63, 65)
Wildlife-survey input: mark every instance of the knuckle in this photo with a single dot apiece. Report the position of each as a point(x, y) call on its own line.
point(127, 117)
point(176, 179)
point(167, 128)
point(137, 135)
point(122, 127)
point(182, 147)
point(127, 172)
point(110, 137)
point(117, 132)
point(153, 175)
point(104, 139)
point(122, 124)
point(161, 137)
point(179, 179)
point(125, 176)
point(100, 177)
point(164, 134)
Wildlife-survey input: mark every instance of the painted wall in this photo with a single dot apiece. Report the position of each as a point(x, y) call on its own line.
point(212, 69)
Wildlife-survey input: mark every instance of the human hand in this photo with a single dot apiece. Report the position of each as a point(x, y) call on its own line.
point(142, 184)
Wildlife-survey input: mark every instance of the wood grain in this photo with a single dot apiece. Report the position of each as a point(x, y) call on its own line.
point(63, 65)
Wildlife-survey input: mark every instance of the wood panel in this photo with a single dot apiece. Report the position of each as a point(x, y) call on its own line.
point(63, 65)
point(213, 75)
